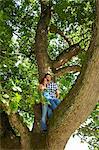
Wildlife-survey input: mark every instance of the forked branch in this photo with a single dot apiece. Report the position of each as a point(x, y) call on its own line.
point(67, 69)
point(65, 56)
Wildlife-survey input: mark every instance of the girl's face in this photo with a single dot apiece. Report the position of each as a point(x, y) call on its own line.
point(48, 77)
point(45, 81)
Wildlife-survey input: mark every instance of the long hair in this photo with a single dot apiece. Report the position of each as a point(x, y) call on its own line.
point(42, 80)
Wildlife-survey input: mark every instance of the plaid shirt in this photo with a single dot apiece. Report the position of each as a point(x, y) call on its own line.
point(51, 88)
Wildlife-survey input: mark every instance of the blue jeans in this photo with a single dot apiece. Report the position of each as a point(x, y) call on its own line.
point(47, 110)
point(54, 102)
point(52, 99)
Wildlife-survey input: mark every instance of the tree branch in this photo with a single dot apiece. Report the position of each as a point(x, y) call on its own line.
point(3, 106)
point(16, 121)
point(65, 56)
point(54, 29)
point(82, 98)
point(41, 41)
point(68, 69)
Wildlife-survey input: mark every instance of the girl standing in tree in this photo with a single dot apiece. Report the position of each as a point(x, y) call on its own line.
point(46, 109)
point(49, 103)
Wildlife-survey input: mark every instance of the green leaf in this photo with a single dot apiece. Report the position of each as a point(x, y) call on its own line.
point(6, 96)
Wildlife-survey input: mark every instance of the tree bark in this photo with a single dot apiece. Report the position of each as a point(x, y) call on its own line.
point(23, 130)
point(65, 56)
point(82, 99)
point(4, 124)
point(41, 41)
point(74, 110)
point(68, 69)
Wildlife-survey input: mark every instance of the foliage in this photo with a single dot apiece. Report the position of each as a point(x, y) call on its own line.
point(65, 83)
point(18, 68)
point(89, 130)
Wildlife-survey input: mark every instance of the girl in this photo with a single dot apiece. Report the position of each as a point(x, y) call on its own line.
point(46, 106)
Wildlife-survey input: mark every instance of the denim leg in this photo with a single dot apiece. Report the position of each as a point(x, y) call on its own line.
point(44, 115)
point(56, 101)
point(53, 105)
point(50, 112)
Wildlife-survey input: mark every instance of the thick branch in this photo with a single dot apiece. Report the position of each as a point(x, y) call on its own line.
point(54, 29)
point(41, 41)
point(65, 56)
point(68, 69)
point(15, 121)
point(82, 99)
point(78, 105)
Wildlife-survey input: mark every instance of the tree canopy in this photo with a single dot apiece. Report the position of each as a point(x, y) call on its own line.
point(67, 27)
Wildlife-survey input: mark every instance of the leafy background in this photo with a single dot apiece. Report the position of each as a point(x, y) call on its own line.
point(18, 67)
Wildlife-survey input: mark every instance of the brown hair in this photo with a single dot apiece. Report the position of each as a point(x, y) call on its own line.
point(42, 80)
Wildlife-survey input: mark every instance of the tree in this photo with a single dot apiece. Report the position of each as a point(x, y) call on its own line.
point(83, 96)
